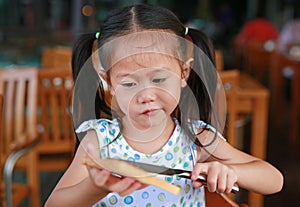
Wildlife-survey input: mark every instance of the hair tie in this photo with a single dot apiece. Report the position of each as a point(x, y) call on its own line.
point(97, 35)
point(186, 31)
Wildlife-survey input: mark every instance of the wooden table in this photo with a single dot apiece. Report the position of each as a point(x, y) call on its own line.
point(253, 98)
point(279, 63)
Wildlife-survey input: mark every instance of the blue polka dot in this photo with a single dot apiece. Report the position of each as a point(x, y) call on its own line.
point(102, 129)
point(137, 156)
point(170, 143)
point(169, 179)
point(106, 140)
point(113, 150)
point(145, 195)
point(128, 200)
point(185, 165)
point(102, 204)
point(130, 159)
point(190, 157)
point(112, 132)
point(169, 156)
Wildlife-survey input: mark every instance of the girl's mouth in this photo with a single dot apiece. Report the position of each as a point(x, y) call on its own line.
point(150, 112)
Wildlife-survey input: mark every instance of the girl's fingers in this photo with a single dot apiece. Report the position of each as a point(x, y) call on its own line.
point(135, 186)
point(121, 185)
point(222, 182)
point(231, 180)
point(199, 168)
point(99, 177)
point(211, 179)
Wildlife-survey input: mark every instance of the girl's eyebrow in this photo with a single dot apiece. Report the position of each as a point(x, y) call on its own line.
point(153, 71)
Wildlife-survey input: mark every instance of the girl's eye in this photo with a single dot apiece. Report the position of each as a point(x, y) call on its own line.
point(158, 80)
point(128, 84)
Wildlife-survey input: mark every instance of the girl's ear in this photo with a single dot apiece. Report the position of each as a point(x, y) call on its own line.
point(186, 69)
point(98, 67)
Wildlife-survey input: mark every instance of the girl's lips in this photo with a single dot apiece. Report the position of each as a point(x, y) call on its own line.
point(150, 112)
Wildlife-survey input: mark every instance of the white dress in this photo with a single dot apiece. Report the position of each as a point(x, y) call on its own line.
point(179, 152)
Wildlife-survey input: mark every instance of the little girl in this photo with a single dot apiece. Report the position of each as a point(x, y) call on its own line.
point(158, 106)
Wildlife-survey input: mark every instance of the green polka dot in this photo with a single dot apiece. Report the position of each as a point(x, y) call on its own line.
point(127, 147)
point(148, 205)
point(185, 150)
point(161, 197)
point(173, 205)
point(187, 188)
point(113, 199)
point(176, 149)
point(181, 199)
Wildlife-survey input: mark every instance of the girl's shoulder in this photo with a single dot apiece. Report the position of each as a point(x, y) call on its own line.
point(102, 126)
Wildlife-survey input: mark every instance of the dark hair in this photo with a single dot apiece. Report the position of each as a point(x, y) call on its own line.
point(131, 19)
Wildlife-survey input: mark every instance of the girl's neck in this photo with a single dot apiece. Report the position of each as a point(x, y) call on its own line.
point(151, 140)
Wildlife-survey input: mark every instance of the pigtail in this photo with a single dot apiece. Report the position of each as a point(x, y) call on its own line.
point(202, 81)
point(203, 77)
point(88, 88)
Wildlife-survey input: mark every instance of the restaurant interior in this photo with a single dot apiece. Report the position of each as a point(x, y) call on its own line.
point(261, 77)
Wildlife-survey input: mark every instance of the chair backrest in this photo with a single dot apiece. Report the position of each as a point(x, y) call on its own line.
point(1, 138)
point(257, 58)
point(219, 60)
point(19, 90)
point(56, 56)
point(230, 80)
point(55, 120)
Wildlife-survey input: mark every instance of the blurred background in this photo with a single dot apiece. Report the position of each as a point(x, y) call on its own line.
point(28, 27)
point(31, 25)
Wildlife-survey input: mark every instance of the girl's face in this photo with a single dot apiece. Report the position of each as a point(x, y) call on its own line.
point(146, 88)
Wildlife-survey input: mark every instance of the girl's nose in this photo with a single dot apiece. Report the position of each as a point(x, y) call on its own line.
point(146, 95)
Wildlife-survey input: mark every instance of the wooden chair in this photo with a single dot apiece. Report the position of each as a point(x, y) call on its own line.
point(18, 135)
point(257, 56)
point(55, 122)
point(230, 80)
point(219, 60)
point(56, 56)
point(220, 200)
point(278, 64)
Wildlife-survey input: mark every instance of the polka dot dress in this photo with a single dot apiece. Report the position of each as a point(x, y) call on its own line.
point(179, 152)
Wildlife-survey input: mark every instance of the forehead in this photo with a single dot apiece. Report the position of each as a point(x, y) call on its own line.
point(140, 44)
point(152, 61)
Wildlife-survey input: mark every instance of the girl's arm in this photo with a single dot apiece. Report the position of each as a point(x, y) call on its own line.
point(233, 166)
point(82, 186)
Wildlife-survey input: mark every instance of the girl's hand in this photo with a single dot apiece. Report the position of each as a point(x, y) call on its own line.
point(105, 180)
point(219, 177)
